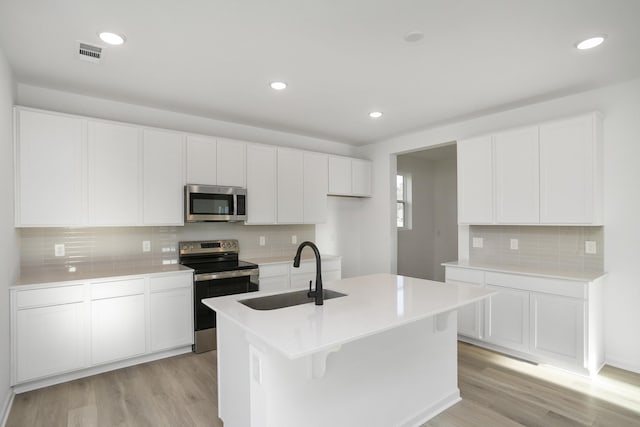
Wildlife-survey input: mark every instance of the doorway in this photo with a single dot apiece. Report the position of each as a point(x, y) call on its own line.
point(427, 218)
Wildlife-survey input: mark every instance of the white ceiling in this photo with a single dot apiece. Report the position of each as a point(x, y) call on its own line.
point(341, 58)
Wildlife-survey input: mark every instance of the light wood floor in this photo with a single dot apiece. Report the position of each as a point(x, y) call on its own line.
point(181, 391)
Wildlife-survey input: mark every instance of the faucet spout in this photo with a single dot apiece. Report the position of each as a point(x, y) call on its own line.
point(318, 292)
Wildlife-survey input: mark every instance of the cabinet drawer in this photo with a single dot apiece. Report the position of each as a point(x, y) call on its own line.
point(157, 284)
point(117, 288)
point(270, 270)
point(566, 288)
point(309, 266)
point(464, 275)
point(50, 296)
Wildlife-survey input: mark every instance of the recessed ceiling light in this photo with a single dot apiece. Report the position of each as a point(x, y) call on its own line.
point(590, 43)
point(278, 85)
point(413, 36)
point(111, 38)
point(375, 114)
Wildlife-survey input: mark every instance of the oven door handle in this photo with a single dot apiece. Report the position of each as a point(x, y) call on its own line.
point(226, 274)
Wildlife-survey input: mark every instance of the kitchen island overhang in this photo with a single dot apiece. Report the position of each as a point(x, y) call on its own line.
point(384, 355)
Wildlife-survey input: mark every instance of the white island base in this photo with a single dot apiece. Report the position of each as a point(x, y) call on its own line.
point(400, 377)
point(384, 355)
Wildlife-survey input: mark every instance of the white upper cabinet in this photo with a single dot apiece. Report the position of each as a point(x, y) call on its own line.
point(475, 181)
point(290, 186)
point(315, 179)
point(571, 171)
point(360, 177)
point(114, 153)
point(261, 184)
point(163, 177)
point(546, 174)
point(349, 177)
point(517, 176)
point(50, 159)
point(202, 164)
point(231, 162)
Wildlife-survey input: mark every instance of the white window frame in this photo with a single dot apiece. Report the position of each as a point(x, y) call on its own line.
point(406, 201)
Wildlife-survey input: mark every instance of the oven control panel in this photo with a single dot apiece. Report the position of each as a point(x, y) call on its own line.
point(208, 246)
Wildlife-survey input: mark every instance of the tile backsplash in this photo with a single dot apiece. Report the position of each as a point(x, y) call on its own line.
point(558, 248)
point(123, 245)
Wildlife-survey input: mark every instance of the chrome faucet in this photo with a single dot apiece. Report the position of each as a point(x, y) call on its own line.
point(318, 293)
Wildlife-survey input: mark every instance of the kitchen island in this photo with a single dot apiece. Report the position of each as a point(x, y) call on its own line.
point(383, 355)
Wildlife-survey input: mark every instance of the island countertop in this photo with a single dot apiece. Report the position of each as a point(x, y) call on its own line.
point(374, 303)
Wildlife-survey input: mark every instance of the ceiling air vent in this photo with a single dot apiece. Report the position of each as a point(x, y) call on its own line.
point(89, 52)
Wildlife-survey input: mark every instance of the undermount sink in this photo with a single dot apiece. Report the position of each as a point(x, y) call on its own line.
point(273, 302)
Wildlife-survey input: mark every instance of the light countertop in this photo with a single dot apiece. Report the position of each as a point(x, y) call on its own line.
point(92, 271)
point(373, 304)
point(289, 259)
point(548, 272)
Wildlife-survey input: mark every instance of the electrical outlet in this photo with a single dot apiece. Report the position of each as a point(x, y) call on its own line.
point(146, 246)
point(263, 241)
point(294, 239)
point(590, 247)
point(478, 242)
point(58, 249)
point(513, 244)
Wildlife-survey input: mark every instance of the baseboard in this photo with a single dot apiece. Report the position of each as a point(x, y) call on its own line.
point(70, 376)
point(622, 364)
point(6, 407)
point(431, 411)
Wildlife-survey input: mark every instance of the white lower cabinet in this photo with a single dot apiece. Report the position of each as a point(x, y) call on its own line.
point(42, 350)
point(276, 276)
point(507, 318)
point(545, 320)
point(470, 317)
point(59, 330)
point(557, 325)
point(117, 328)
point(170, 312)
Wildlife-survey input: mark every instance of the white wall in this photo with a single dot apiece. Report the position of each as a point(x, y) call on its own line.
point(8, 240)
point(72, 103)
point(621, 106)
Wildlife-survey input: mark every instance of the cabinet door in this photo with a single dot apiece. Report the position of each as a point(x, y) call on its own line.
point(290, 186)
point(50, 161)
point(49, 341)
point(517, 177)
point(558, 327)
point(231, 161)
point(360, 177)
point(470, 316)
point(171, 318)
point(315, 187)
point(340, 175)
point(475, 181)
point(507, 318)
point(163, 178)
point(261, 184)
point(114, 174)
point(276, 283)
point(301, 280)
point(117, 328)
point(201, 160)
point(567, 171)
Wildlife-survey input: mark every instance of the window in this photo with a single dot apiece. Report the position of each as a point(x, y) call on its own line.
point(403, 189)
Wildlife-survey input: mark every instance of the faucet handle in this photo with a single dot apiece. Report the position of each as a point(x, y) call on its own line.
point(310, 294)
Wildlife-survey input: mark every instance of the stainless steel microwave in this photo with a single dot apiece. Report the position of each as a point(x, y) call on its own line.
point(204, 203)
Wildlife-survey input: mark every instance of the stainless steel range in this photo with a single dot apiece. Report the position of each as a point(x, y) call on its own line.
point(218, 272)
